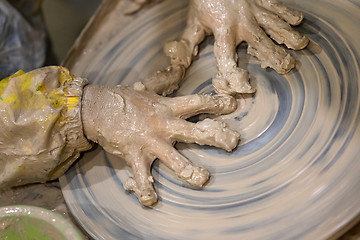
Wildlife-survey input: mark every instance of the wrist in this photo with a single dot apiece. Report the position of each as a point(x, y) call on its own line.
point(101, 108)
point(89, 112)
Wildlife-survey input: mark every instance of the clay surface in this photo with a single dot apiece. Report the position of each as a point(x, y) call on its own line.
point(233, 22)
point(140, 126)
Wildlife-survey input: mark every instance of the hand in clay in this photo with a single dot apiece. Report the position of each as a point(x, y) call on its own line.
point(140, 126)
point(235, 21)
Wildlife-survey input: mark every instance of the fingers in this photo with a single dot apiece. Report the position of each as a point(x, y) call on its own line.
point(206, 132)
point(275, 58)
point(270, 54)
point(230, 79)
point(194, 32)
point(187, 106)
point(225, 51)
point(182, 167)
point(233, 82)
point(163, 82)
point(291, 16)
point(281, 31)
point(179, 52)
point(142, 183)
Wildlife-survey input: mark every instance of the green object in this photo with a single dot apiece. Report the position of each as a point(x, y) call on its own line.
point(28, 228)
point(34, 223)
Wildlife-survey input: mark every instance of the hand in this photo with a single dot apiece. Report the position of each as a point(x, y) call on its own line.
point(235, 21)
point(140, 126)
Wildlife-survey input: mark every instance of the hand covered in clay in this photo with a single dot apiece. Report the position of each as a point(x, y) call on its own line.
point(140, 126)
point(235, 21)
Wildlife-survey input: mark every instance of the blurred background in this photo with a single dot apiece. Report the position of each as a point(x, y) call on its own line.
point(64, 20)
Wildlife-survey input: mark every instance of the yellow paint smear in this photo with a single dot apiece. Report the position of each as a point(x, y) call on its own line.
point(24, 95)
point(4, 82)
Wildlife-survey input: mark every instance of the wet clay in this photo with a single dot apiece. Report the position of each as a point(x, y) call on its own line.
point(140, 126)
point(233, 22)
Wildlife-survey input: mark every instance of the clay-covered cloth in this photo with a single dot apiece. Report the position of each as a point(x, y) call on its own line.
point(40, 120)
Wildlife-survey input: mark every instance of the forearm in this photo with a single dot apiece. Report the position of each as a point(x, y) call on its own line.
point(41, 125)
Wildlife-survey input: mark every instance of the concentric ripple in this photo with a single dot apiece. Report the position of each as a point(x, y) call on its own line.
point(296, 172)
